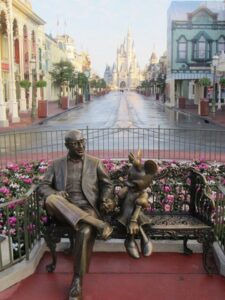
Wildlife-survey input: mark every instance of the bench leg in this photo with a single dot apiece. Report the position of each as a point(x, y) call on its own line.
point(208, 259)
point(187, 251)
point(69, 250)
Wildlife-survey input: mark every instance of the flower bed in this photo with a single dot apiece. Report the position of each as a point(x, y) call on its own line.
point(16, 179)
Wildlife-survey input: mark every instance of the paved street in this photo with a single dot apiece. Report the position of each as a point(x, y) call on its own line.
point(117, 124)
point(125, 110)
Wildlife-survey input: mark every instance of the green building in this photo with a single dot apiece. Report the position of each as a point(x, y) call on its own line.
point(195, 33)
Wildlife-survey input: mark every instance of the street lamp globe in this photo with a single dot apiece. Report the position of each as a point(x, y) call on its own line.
point(215, 60)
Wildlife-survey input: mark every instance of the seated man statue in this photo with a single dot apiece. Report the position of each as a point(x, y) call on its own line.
point(73, 188)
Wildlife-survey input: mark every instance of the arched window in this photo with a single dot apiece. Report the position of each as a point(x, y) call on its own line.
point(221, 44)
point(182, 48)
point(201, 49)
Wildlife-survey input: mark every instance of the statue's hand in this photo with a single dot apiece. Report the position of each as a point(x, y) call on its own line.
point(109, 205)
point(133, 227)
point(64, 194)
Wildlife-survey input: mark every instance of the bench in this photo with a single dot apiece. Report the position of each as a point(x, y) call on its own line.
point(180, 208)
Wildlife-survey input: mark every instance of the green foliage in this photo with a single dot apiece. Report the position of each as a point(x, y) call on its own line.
point(25, 84)
point(62, 73)
point(41, 83)
point(205, 82)
point(222, 81)
point(82, 80)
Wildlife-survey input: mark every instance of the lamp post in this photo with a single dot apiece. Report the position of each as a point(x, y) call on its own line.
point(87, 74)
point(214, 65)
point(33, 106)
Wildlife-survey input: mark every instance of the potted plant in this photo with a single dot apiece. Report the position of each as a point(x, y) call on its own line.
point(25, 85)
point(62, 74)
point(42, 104)
point(205, 82)
point(222, 82)
point(204, 104)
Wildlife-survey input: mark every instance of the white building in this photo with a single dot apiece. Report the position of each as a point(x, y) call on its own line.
point(125, 73)
point(21, 42)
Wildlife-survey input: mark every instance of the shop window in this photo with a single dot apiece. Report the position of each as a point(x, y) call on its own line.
point(182, 48)
point(201, 49)
point(221, 44)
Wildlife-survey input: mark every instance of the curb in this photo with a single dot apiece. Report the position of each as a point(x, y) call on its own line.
point(56, 115)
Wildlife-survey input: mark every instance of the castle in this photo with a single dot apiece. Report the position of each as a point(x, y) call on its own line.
point(125, 73)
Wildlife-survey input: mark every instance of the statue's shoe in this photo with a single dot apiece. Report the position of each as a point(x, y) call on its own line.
point(106, 231)
point(76, 289)
point(132, 247)
point(146, 247)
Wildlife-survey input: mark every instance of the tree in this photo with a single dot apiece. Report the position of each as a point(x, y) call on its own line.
point(205, 82)
point(25, 84)
point(41, 84)
point(62, 75)
point(222, 82)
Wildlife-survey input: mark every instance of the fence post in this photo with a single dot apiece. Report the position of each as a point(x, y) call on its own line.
point(15, 149)
point(87, 134)
point(158, 141)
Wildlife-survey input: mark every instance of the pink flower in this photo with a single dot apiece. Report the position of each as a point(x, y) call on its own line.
point(27, 180)
point(4, 190)
point(167, 207)
point(166, 189)
point(13, 167)
point(42, 169)
point(12, 220)
point(170, 198)
point(44, 219)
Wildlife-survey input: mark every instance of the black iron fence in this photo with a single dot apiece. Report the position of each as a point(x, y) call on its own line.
point(158, 143)
point(20, 228)
point(220, 216)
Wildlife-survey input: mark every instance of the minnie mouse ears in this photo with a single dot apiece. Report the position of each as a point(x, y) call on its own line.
point(150, 167)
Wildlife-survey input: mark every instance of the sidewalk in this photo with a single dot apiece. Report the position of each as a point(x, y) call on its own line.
point(218, 118)
point(26, 120)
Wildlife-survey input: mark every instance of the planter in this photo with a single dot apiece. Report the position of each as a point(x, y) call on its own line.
point(42, 108)
point(181, 103)
point(204, 107)
point(157, 96)
point(64, 102)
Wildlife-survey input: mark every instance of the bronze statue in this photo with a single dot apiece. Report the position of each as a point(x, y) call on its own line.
point(73, 188)
point(133, 198)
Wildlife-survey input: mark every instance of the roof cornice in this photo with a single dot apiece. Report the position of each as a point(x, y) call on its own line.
point(28, 11)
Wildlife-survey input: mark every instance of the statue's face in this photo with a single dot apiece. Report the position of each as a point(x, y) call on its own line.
point(76, 148)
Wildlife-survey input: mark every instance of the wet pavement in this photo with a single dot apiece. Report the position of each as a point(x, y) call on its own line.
point(127, 110)
point(119, 110)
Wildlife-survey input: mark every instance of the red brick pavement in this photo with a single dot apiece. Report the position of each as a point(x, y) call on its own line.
point(218, 118)
point(26, 120)
point(116, 276)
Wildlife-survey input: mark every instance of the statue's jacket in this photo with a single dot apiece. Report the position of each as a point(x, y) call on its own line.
point(95, 182)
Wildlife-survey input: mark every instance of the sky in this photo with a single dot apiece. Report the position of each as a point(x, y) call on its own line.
point(100, 26)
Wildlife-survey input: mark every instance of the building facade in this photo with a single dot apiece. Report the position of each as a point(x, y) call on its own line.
point(125, 73)
point(21, 41)
point(196, 32)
